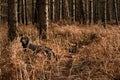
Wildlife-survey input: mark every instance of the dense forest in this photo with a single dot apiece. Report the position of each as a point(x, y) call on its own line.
point(59, 40)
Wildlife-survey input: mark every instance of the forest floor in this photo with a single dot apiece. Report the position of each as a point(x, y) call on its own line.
point(85, 53)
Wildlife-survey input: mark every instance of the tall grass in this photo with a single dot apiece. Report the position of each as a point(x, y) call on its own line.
point(85, 53)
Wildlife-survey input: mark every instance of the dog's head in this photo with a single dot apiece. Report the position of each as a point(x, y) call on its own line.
point(24, 40)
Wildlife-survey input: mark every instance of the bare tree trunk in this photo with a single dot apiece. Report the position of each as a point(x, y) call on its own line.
point(3, 11)
point(12, 19)
point(74, 3)
point(52, 10)
point(78, 11)
point(47, 9)
point(41, 11)
point(36, 13)
point(19, 13)
point(116, 11)
point(53, 6)
point(61, 9)
point(110, 10)
point(33, 11)
point(91, 12)
point(71, 9)
point(87, 12)
point(0, 11)
point(23, 12)
point(95, 5)
point(67, 8)
point(83, 11)
point(26, 13)
point(105, 16)
point(57, 10)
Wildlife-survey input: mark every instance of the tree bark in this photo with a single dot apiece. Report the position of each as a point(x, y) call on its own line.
point(23, 12)
point(61, 9)
point(41, 11)
point(67, 8)
point(74, 9)
point(116, 11)
point(12, 19)
point(105, 16)
point(57, 10)
point(19, 13)
point(91, 12)
point(26, 20)
point(33, 11)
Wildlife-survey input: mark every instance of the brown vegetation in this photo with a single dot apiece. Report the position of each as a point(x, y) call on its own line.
point(86, 53)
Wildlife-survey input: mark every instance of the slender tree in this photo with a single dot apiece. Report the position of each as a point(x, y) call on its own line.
point(53, 12)
point(105, 16)
point(86, 12)
point(47, 14)
point(116, 11)
point(19, 11)
point(78, 11)
point(36, 13)
point(26, 13)
point(41, 11)
point(33, 11)
point(57, 10)
point(12, 19)
point(67, 8)
point(61, 9)
point(23, 12)
point(91, 12)
point(74, 9)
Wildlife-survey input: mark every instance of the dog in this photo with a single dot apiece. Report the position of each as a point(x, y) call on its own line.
point(46, 51)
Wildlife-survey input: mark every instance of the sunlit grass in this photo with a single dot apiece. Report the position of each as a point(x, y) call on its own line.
point(85, 53)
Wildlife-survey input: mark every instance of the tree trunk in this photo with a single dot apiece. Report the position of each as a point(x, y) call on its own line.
point(83, 11)
point(46, 11)
point(33, 11)
point(19, 11)
point(12, 19)
point(105, 16)
point(53, 10)
point(91, 12)
point(26, 13)
point(71, 9)
point(95, 11)
point(0, 11)
point(61, 9)
point(74, 9)
point(67, 8)
point(23, 12)
point(119, 10)
point(36, 13)
point(116, 12)
point(87, 13)
point(57, 10)
point(41, 11)
point(3, 11)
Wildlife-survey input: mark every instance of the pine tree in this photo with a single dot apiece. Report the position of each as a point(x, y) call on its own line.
point(12, 19)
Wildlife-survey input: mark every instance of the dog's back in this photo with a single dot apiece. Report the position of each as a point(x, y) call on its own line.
point(37, 49)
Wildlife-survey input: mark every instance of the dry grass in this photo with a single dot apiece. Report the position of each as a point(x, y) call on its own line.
point(86, 53)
